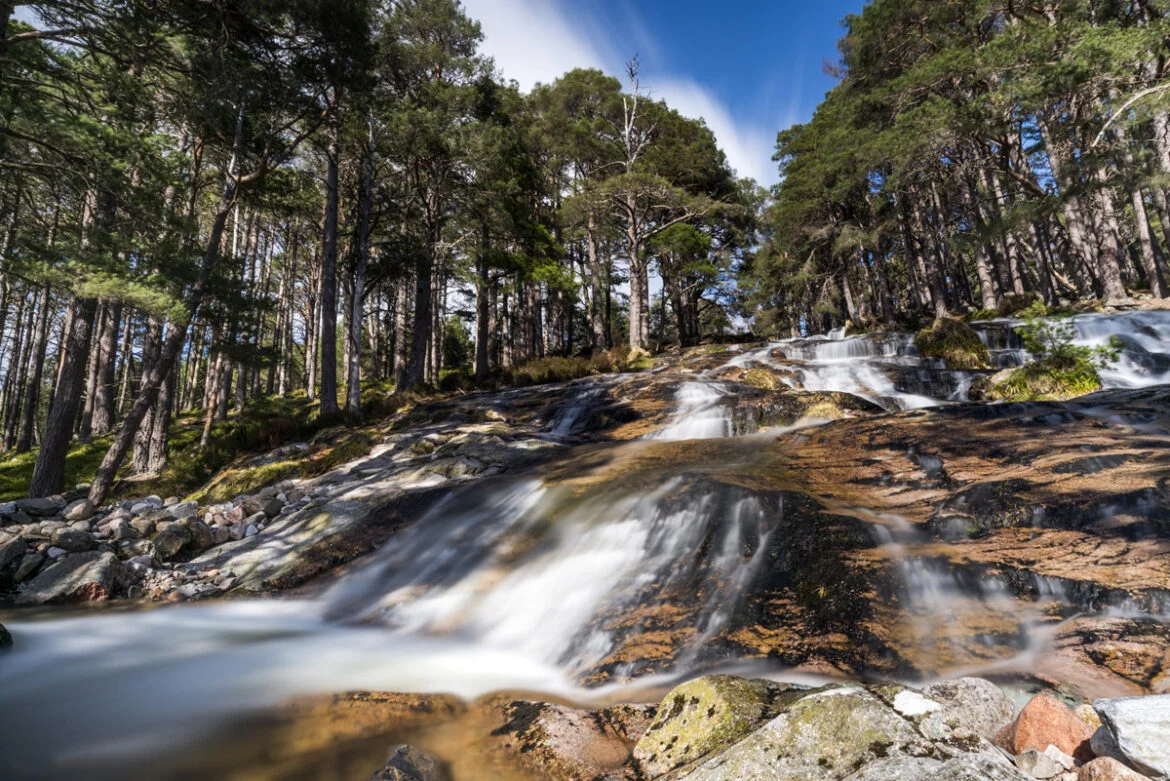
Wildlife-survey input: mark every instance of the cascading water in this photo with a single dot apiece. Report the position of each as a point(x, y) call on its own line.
point(536, 584)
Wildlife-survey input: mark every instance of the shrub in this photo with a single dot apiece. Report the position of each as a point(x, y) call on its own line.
point(1062, 370)
point(955, 343)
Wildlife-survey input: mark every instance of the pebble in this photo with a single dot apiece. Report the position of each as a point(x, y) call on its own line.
point(55, 552)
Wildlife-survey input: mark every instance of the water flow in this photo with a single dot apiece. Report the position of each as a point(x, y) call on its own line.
point(701, 413)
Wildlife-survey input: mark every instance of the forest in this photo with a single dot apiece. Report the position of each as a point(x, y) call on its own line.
point(206, 203)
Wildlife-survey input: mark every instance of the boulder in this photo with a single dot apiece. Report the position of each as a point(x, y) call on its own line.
point(827, 734)
point(201, 536)
point(1140, 730)
point(702, 716)
point(78, 577)
point(1107, 769)
point(81, 510)
point(41, 508)
point(183, 510)
point(144, 525)
point(272, 507)
point(16, 518)
point(28, 566)
point(168, 543)
point(1046, 721)
point(146, 505)
point(973, 703)
point(11, 551)
point(410, 764)
point(72, 541)
point(568, 744)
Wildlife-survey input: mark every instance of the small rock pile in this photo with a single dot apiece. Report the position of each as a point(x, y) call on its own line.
point(60, 549)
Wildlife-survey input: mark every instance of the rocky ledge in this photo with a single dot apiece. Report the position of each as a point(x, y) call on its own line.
point(724, 728)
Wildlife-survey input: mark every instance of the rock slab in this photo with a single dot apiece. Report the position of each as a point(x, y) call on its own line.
point(1140, 731)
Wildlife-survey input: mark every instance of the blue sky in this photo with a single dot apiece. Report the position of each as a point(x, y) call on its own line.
point(748, 67)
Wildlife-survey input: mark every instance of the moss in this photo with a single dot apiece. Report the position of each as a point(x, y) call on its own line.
point(701, 716)
point(762, 379)
point(825, 410)
point(80, 465)
point(954, 342)
point(230, 483)
point(1058, 377)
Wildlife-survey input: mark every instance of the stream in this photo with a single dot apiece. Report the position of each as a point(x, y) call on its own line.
point(588, 585)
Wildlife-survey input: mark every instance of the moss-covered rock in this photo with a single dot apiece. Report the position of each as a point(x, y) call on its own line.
point(762, 379)
point(826, 734)
point(702, 716)
point(954, 342)
point(1058, 377)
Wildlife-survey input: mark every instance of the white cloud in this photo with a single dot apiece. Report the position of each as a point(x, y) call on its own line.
point(536, 41)
point(532, 40)
point(749, 149)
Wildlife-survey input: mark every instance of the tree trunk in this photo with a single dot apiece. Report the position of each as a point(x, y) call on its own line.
point(32, 392)
point(329, 278)
point(49, 472)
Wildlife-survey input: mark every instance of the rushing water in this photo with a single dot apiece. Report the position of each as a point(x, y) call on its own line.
point(515, 584)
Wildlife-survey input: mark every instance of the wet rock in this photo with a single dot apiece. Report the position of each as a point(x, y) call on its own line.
point(5, 639)
point(827, 734)
point(702, 716)
point(41, 508)
point(1140, 729)
point(79, 577)
point(72, 541)
point(410, 763)
point(81, 510)
point(973, 703)
point(1046, 721)
point(570, 744)
point(1108, 769)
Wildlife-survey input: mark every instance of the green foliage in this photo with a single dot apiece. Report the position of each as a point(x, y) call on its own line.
point(1062, 370)
point(954, 342)
point(80, 464)
point(457, 345)
point(1049, 337)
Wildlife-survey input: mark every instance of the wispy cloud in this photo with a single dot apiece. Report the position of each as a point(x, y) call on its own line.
point(536, 41)
point(533, 41)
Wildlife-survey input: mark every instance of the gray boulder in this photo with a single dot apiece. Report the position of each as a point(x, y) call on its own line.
point(183, 510)
point(825, 735)
point(28, 566)
point(41, 508)
point(974, 703)
point(201, 537)
point(72, 540)
point(169, 542)
point(11, 551)
point(81, 510)
point(1139, 729)
point(77, 577)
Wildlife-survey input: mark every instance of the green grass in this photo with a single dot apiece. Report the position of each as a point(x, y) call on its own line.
point(1058, 377)
point(80, 466)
